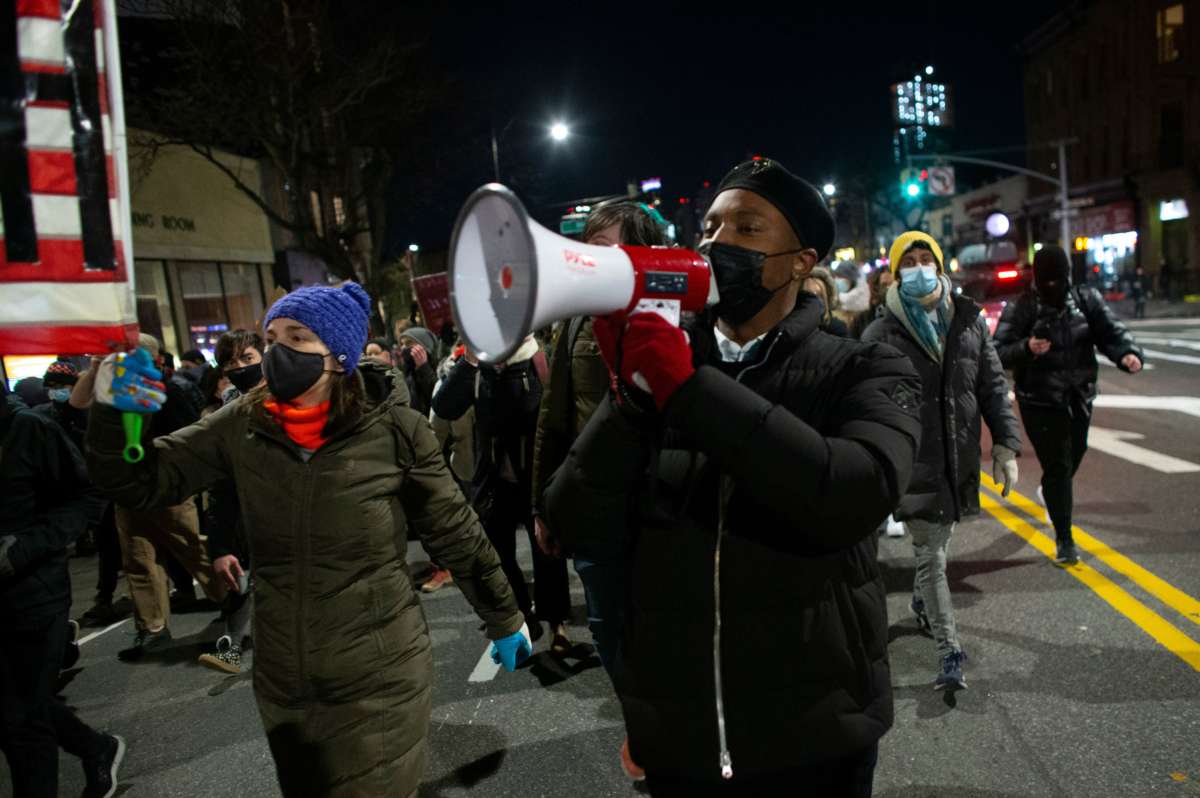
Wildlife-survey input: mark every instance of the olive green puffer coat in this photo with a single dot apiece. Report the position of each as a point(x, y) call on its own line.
point(343, 662)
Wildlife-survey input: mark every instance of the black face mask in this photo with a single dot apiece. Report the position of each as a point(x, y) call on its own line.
point(290, 373)
point(1052, 293)
point(738, 272)
point(245, 377)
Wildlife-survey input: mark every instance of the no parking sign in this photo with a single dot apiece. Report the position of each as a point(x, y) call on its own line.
point(941, 181)
point(65, 250)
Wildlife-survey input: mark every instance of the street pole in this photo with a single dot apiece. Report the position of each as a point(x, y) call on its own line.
point(1064, 201)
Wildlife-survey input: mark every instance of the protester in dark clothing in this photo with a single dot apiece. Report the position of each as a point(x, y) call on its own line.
point(821, 285)
point(31, 391)
point(334, 472)
point(239, 360)
point(1049, 337)
point(505, 399)
point(44, 495)
point(578, 382)
point(1137, 291)
point(946, 338)
point(756, 482)
point(418, 357)
point(878, 282)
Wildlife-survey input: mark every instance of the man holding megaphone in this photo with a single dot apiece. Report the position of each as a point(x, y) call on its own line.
point(756, 472)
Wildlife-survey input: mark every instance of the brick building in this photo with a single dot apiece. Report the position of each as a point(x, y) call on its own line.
point(1122, 78)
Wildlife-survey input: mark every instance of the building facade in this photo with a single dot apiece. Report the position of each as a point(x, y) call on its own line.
point(1120, 81)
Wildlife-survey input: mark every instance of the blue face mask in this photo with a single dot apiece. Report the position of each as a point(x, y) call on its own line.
point(918, 281)
point(59, 394)
point(843, 285)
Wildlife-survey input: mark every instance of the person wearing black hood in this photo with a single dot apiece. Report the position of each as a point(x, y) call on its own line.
point(755, 472)
point(418, 359)
point(1049, 337)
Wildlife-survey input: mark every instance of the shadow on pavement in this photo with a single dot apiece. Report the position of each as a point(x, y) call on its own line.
point(473, 737)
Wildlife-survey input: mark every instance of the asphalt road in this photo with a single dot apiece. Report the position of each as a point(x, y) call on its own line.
point(1082, 683)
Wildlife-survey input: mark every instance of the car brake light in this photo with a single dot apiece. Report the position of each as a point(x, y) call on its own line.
point(1008, 274)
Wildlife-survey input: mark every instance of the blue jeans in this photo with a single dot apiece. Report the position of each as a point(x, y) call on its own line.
point(604, 591)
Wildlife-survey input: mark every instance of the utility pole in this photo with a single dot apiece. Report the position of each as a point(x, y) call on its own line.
point(1064, 202)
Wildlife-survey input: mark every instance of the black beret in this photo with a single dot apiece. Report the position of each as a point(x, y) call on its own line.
point(799, 201)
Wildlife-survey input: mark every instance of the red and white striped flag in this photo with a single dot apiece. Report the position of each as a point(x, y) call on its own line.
point(66, 282)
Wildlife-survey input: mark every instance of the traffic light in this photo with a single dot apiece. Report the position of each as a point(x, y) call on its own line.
point(912, 183)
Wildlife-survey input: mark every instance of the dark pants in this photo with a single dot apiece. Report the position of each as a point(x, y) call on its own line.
point(108, 551)
point(33, 723)
point(849, 777)
point(604, 591)
point(511, 507)
point(1059, 437)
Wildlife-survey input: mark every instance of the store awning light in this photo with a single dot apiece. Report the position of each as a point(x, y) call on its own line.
point(1170, 210)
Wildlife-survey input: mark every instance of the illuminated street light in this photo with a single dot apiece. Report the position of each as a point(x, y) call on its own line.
point(414, 248)
point(929, 70)
point(559, 131)
point(830, 189)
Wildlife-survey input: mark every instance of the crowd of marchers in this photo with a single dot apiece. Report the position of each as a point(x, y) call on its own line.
point(773, 438)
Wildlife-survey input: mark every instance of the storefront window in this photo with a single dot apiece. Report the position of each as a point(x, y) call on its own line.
point(203, 304)
point(153, 302)
point(243, 295)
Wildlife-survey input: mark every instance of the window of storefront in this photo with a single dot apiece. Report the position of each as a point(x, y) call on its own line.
point(217, 297)
point(154, 302)
point(1170, 33)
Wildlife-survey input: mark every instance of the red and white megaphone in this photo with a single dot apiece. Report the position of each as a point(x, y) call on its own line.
point(510, 276)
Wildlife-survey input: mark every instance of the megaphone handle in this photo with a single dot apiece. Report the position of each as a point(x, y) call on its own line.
point(133, 451)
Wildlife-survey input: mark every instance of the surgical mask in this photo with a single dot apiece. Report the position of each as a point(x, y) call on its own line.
point(738, 272)
point(59, 395)
point(246, 377)
point(918, 281)
point(290, 373)
point(843, 285)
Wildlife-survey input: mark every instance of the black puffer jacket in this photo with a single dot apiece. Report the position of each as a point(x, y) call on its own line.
point(1068, 371)
point(968, 382)
point(803, 453)
point(44, 501)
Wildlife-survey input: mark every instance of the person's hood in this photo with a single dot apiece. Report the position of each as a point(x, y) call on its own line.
point(857, 299)
point(383, 385)
point(10, 405)
point(425, 338)
point(32, 391)
point(191, 373)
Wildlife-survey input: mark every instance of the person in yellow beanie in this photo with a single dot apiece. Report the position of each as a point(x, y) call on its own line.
point(946, 337)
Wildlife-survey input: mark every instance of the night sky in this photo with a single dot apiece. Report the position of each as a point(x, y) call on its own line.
point(684, 91)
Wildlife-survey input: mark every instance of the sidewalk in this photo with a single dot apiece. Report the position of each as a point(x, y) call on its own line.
point(1157, 309)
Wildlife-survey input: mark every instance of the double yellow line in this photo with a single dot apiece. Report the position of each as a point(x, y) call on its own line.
point(1117, 597)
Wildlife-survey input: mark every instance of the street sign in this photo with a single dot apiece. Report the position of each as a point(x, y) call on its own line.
point(1072, 213)
point(941, 181)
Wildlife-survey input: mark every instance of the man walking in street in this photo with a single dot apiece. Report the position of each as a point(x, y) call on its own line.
point(1049, 338)
point(946, 338)
point(755, 462)
point(44, 493)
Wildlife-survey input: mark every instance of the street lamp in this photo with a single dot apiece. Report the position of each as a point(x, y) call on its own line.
point(559, 131)
point(414, 248)
point(830, 189)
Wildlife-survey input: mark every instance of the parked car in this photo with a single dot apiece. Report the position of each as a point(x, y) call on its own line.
point(991, 271)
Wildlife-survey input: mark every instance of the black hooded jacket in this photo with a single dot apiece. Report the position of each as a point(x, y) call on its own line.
point(758, 493)
point(967, 383)
point(1068, 372)
point(44, 501)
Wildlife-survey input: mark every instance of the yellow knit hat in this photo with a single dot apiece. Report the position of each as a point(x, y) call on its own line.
point(906, 240)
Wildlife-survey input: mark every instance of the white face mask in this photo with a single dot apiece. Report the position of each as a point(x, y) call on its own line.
point(918, 281)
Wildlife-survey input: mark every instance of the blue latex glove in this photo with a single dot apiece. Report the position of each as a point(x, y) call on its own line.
point(130, 383)
point(511, 651)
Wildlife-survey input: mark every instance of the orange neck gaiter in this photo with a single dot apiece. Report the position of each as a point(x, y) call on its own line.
point(302, 424)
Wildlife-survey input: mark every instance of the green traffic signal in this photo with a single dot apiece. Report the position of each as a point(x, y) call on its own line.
point(912, 189)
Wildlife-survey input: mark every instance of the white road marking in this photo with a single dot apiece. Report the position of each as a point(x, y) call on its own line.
point(106, 630)
point(1177, 343)
point(1189, 359)
point(1187, 322)
point(1116, 443)
point(485, 669)
point(1180, 404)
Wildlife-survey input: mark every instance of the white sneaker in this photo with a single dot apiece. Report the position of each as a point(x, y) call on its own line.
point(1042, 501)
point(895, 529)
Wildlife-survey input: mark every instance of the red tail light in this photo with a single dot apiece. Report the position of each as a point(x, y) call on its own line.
point(1008, 274)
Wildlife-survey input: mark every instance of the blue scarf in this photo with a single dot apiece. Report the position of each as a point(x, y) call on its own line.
point(931, 333)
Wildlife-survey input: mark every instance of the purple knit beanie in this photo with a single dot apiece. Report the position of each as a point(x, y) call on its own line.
point(339, 316)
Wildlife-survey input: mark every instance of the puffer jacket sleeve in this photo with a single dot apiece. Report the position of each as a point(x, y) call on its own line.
point(1112, 337)
point(1012, 333)
point(450, 531)
point(57, 462)
point(991, 390)
point(457, 394)
point(840, 485)
point(175, 468)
